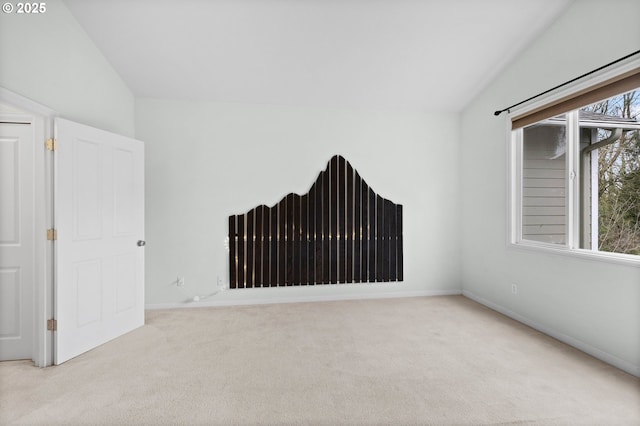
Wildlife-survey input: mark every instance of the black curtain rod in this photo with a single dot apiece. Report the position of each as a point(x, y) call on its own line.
point(567, 82)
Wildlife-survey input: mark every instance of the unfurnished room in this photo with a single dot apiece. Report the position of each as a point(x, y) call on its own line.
point(322, 212)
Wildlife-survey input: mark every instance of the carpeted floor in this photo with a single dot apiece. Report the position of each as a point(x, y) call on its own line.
point(427, 360)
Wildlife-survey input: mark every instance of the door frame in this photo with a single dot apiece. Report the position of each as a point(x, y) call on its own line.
point(41, 118)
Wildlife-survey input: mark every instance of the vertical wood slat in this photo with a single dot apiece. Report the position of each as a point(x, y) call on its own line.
point(385, 241)
point(257, 281)
point(320, 244)
point(333, 226)
point(241, 246)
point(365, 232)
point(342, 217)
point(266, 247)
point(372, 236)
point(399, 254)
point(289, 241)
point(304, 239)
point(380, 257)
point(349, 233)
point(326, 246)
point(249, 277)
point(295, 240)
point(273, 249)
point(357, 243)
point(390, 220)
point(282, 248)
point(311, 226)
point(233, 256)
point(341, 231)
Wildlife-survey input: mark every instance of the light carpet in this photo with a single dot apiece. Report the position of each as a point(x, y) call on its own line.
point(426, 360)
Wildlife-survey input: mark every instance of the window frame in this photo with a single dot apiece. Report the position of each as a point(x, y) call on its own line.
point(515, 171)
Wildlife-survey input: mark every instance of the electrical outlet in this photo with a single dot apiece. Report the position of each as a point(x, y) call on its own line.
point(514, 288)
point(221, 284)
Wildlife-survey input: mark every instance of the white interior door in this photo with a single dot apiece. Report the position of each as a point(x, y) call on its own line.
point(16, 241)
point(99, 216)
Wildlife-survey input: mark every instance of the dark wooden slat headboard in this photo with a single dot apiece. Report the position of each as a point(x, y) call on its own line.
point(341, 231)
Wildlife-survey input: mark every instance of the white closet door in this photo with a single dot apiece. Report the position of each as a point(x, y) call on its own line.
point(99, 216)
point(16, 241)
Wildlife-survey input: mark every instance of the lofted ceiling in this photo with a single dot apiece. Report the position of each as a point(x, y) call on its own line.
point(391, 54)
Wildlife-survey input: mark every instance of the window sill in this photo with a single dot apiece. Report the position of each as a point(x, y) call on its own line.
point(598, 256)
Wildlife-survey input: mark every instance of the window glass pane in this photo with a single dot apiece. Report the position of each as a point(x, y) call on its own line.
point(544, 147)
point(610, 169)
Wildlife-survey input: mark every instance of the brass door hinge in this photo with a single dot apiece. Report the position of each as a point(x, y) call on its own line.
point(52, 234)
point(51, 144)
point(52, 325)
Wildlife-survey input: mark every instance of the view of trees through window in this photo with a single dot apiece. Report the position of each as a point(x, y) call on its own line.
point(618, 175)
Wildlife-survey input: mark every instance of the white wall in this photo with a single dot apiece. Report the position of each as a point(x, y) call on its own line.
point(594, 305)
point(49, 58)
point(206, 161)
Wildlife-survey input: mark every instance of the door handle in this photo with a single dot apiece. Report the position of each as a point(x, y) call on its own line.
point(141, 243)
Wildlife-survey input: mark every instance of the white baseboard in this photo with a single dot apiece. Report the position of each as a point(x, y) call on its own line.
point(299, 299)
point(584, 347)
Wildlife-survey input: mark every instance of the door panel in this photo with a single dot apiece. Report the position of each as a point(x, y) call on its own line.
point(125, 274)
point(10, 185)
point(99, 211)
point(16, 241)
point(10, 302)
point(124, 194)
point(87, 190)
point(87, 292)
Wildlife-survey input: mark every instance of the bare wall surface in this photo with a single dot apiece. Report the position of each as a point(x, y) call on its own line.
point(594, 303)
point(49, 58)
point(206, 161)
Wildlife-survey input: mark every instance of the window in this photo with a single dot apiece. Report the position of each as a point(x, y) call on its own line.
point(543, 199)
point(576, 173)
point(610, 156)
